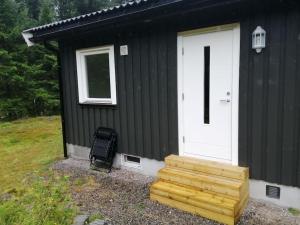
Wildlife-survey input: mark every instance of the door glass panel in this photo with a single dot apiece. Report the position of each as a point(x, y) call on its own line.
point(206, 83)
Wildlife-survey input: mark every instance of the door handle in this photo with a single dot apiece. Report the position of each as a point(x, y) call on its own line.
point(225, 100)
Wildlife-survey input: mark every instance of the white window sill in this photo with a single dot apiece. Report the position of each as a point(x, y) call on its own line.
point(97, 102)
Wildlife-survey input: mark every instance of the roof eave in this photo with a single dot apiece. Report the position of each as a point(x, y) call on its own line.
point(28, 37)
point(176, 6)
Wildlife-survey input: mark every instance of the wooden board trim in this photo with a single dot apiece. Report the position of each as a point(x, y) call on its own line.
point(195, 210)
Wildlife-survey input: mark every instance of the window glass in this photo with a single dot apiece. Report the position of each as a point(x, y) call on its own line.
point(206, 83)
point(98, 77)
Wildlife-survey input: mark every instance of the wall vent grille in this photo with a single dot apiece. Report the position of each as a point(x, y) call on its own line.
point(131, 161)
point(273, 191)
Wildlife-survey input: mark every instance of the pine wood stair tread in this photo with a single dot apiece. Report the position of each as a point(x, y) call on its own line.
point(206, 166)
point(205, 182)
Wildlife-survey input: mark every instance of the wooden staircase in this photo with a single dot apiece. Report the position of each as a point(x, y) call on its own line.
point(210, 189)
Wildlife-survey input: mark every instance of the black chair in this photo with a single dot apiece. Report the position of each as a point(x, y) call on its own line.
point(104, 148)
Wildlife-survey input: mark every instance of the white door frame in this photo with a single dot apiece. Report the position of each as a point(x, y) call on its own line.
point(235, 84)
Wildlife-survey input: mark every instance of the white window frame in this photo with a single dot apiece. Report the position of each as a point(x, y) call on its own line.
point(82, 75)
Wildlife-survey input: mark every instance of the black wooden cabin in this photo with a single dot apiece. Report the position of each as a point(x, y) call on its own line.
point(142, 38)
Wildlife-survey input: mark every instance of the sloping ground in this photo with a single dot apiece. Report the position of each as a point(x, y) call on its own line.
point(122, 197)
point(27, 146)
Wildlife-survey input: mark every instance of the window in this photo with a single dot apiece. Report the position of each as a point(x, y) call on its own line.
point(206, 83)
point(96, 75)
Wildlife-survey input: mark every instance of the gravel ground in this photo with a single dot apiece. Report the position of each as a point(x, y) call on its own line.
point(122, 197)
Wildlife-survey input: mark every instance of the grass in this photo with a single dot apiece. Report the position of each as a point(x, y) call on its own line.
point(27, 146)
point(294, 212)
point(45, 202)
point(95, 216)
point(30, 192)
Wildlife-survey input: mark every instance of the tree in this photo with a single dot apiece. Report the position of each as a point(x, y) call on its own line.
point(47, 12)
point(34, 7)
point(28, 76)
point(65, 9)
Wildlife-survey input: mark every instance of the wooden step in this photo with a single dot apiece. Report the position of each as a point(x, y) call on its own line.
point(226, 187)
point(196, 198)
point(194, 210)
point(213, 190)
point(209, 167)
point(200, 203)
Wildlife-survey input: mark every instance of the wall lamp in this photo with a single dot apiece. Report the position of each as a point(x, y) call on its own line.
point(258, 39)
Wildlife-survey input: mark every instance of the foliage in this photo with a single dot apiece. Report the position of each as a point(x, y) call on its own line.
point(294, 212)
point(45, 202)
point(27, 145)
point(29, 76)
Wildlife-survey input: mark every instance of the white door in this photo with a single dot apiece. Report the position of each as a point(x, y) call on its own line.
point(207, 89)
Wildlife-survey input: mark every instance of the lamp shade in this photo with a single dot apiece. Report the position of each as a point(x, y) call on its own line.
point(258, 39)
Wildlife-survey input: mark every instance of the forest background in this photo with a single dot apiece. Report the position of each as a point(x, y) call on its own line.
point(29, 76)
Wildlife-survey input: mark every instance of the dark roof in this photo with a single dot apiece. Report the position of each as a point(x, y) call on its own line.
point(89, 15)
point(133, 12)
point(110, 15)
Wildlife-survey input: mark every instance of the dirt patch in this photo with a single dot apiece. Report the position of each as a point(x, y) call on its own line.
point(122, 197)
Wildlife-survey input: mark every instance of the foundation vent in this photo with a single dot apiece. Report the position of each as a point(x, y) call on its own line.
point(273, 191)
point(131, 161)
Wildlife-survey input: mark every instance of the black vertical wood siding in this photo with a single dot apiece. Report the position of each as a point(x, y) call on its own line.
point(145, 116)
point(146, 113)
point(269, 118)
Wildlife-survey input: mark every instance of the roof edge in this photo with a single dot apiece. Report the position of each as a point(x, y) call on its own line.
point(27, 35)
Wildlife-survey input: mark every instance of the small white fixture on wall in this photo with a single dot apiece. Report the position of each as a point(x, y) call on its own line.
point(123, 50)
point(259, 39)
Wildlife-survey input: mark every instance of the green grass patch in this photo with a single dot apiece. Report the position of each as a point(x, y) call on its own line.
point(28, 145)
point(93, 217)
point(46, 201)
point(294, 212)
point(30, 193)
point(140, 207)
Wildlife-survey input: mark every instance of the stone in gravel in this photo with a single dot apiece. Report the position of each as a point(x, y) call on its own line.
point(98, 222)
point(80, 220)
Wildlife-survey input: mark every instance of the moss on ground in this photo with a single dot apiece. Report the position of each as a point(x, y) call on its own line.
point(93, 217)
point(294, 212)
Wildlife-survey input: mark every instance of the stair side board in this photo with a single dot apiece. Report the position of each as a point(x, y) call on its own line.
point(206, 166)
point(194, 210)
point(201, 186)
point(242, 205)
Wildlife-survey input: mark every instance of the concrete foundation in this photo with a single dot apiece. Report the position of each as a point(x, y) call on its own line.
point(147, 166)
point(289, 196)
